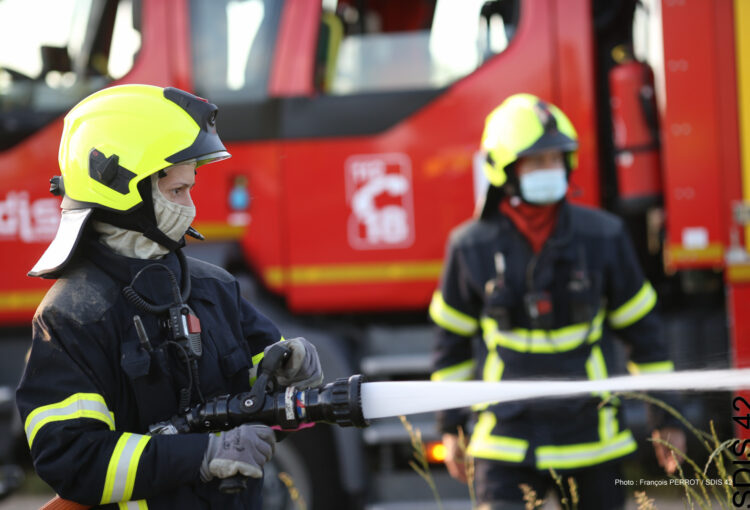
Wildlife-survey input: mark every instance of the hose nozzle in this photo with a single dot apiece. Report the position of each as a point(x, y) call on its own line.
point(339, 402)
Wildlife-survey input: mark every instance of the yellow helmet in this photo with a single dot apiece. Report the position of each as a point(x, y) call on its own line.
point(523, 125)
point(118, 136)
point(114, 140)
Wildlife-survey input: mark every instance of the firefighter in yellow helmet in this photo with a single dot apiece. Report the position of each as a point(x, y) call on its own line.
point(108, 358)
point(543, 282)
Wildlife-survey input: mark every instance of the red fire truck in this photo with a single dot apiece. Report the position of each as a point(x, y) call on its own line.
point(354, 128)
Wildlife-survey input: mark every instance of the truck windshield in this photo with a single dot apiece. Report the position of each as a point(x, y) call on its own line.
point(233, 43)
point(375, 46)
point(49, 62)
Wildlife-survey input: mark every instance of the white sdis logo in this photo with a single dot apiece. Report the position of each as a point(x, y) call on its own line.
point(28, 221)
point(379, 193)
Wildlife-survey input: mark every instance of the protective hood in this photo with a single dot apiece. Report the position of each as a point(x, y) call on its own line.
point(172, 219)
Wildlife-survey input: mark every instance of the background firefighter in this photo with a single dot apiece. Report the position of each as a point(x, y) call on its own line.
point(542, 281)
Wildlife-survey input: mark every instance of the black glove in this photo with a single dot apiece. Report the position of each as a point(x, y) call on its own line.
point(241, 450)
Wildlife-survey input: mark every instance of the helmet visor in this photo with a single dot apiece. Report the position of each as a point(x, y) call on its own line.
point(551, 141)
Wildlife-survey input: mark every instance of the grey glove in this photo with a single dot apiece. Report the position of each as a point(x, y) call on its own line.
point(242, 450)
point(302, 369)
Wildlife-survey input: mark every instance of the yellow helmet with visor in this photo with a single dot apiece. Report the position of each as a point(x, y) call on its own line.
point(112, 142)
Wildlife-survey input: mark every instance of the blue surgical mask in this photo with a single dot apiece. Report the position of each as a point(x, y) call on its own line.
point(544, 186)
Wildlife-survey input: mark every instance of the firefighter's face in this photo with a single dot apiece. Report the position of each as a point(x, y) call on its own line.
point(177, 184)
point(546, 160)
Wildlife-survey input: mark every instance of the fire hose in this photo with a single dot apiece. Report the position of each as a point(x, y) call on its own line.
point(352, 402)
point(337, 403)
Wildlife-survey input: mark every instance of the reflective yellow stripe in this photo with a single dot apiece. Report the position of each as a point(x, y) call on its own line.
point(451, 319)
point(253, 372)
point(608, 424)
point(493, 367)
point(676, 253)
point(587, 454)
point(343, 274)
point(635, 308)
point(335, 35)
point(79, 405)
point(742, 62)
point(133, 505)
point(650, 368)
point(123, 466)
point(596, 368)
point(543, 341)
point(21, 300)
point(463, 371)
point(485, 445)
point(492, 372)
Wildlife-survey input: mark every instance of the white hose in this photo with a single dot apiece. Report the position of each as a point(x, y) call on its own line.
point(382, 399)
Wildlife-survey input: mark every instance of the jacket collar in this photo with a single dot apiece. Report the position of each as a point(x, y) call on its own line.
point(559, 241)
point(124, 269)
point(149, 278)
point(562, 236)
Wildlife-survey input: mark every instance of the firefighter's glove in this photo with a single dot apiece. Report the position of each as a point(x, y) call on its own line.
point(241, 450)
point(302, 369)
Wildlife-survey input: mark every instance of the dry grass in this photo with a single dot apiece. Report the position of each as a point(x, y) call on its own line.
point(699, 484)
point(643, 502)
point(287, 480)
point(420, 463)
point(468, 465)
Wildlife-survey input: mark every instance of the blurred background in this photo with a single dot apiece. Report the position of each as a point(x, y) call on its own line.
point(354, 127)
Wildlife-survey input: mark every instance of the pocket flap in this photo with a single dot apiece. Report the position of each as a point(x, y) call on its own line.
point(234, 362)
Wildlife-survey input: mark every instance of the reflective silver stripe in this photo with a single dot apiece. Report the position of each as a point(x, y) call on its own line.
point(499, 448)
point(493, 367)
point(598, 370)
point(123, 464)
point(607, 423)
point(635, 308)
point(596, 367)
point(543, 341)
point(585, 454)
point(79, 405)
point(133, 505)
point(485, 445)
point(451, 319)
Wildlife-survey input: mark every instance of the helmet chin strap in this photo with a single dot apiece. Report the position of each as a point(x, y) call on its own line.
point(143, 219)
point(156, 235)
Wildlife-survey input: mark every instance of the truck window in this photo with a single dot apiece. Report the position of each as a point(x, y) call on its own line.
point(234, 68)
point(380, 45)
point(50, 62)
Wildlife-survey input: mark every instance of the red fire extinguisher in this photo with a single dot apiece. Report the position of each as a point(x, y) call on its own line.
point(636, 135)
